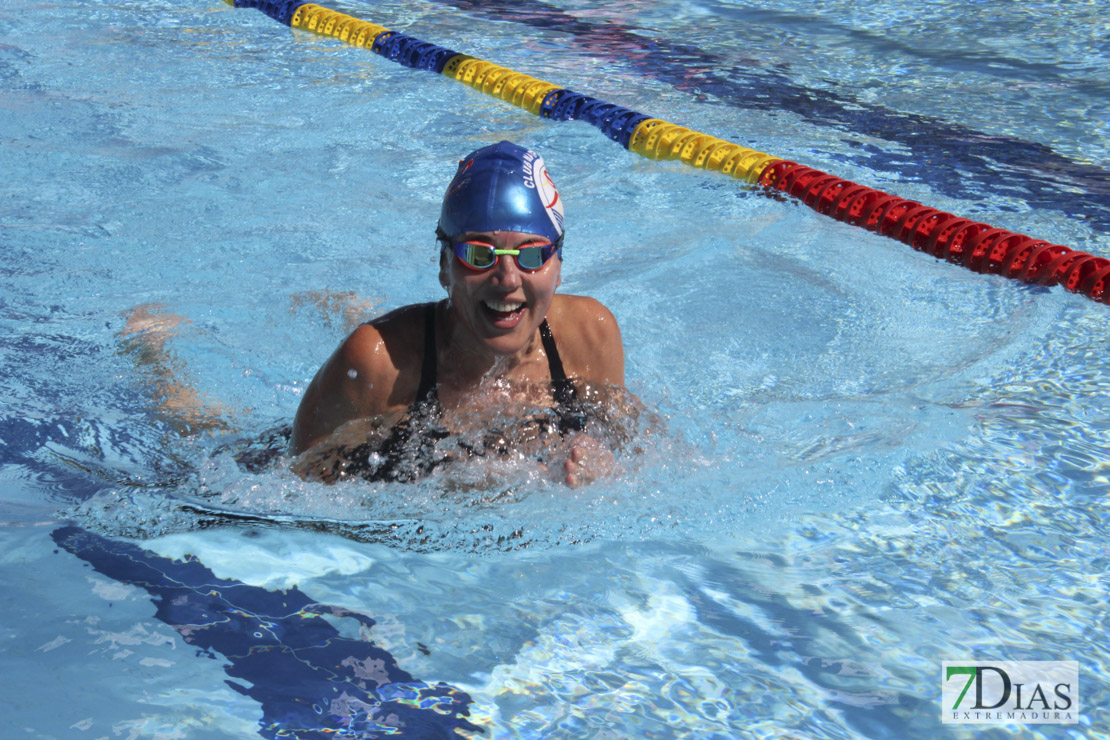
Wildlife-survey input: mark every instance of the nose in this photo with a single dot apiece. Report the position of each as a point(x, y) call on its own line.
point(506, 274)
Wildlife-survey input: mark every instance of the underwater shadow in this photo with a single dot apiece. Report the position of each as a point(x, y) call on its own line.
point(310, 680)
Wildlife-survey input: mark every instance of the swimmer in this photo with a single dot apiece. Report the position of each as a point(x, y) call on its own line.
point(503, 339)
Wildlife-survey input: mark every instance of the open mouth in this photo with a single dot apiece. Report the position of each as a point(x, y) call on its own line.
point(503, 311)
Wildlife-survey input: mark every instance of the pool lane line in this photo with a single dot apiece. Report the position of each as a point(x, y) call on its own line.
point(971, 244)
point(947, 156)
point(282, 650)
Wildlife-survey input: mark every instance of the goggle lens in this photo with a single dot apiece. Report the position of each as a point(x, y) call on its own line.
point(483, 256)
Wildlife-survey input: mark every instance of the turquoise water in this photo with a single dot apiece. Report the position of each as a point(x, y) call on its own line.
point(868, 461)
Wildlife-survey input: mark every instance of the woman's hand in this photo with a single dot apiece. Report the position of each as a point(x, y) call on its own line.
point(587, 460)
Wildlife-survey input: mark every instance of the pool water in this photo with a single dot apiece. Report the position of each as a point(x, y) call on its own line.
point(862, 461)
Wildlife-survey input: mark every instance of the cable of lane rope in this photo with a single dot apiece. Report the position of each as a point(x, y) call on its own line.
point(974, 245)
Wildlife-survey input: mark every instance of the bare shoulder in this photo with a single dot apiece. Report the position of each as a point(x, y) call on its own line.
point(581, 308)
point(589, 339)
point(373, 373)
point(386, 346)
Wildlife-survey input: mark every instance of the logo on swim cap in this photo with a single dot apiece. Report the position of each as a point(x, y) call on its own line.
point(549, 196)
point(502, 187)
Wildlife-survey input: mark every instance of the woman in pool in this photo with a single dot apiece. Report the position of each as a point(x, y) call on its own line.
point(502, 343)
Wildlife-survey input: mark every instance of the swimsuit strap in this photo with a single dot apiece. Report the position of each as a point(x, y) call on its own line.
point(554, 363)
point(407, 454)
point(571, 417)
point(427, 388)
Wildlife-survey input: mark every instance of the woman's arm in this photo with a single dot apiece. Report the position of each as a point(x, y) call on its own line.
point(347, 387)
point(590, 345)
point(589, 340)
point(369, 376)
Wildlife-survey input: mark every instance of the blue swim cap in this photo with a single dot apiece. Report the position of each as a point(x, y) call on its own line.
point(502, 187)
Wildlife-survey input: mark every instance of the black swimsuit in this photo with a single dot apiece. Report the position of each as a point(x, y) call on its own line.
point(409, 452)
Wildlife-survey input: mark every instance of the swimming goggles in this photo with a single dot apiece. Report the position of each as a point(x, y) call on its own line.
point(479, 256)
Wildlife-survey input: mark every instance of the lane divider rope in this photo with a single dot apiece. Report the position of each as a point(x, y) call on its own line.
point(973, 245)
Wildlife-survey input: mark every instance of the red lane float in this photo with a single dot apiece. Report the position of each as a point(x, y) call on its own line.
point(973, 245)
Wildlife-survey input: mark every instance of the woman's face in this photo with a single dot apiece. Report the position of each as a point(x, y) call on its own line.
point(502, 306)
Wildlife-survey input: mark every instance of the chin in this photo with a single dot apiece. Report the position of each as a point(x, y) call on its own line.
point(508, 344)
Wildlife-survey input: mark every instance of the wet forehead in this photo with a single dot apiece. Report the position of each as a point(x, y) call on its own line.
point(504, 239)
